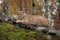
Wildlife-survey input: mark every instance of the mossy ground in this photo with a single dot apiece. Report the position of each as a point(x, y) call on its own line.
point(11, 32)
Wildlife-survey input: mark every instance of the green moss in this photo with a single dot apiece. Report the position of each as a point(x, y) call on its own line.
point(11, 32)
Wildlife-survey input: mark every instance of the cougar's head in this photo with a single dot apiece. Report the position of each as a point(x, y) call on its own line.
point(22, 15)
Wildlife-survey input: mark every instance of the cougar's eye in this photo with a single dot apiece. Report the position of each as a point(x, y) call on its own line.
point(20, 13)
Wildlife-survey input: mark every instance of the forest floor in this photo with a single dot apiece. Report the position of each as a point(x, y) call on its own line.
point(13, 32)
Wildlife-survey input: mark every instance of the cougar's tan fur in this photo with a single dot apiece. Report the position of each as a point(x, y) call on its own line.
point(33, 19)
